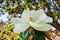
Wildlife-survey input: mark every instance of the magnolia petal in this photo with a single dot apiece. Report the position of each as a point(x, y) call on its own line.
point(45, 20)
point(15, 20)
point(20, 25)
point(41, 26)
point(41, 11)
point(39, 14)
point(34, 24)
point(26, 15)
point(34, 15)
point(41, 17)
point(48, 20)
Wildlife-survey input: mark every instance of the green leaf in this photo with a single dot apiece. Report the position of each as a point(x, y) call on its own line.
point(24, 36)
point(38, 36)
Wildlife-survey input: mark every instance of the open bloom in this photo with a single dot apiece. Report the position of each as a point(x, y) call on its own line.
point(36, 19)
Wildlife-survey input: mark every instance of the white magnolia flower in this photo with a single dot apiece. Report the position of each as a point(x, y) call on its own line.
point(36, 19)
